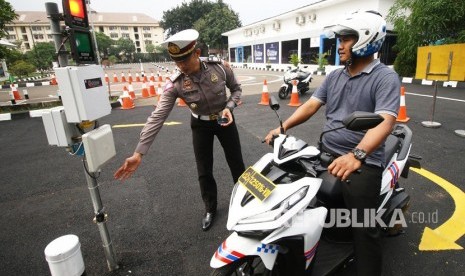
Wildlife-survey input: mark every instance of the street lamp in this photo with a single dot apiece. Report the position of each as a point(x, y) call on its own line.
point(34, 44)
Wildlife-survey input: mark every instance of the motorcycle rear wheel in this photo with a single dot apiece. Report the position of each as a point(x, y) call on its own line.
point(282, 93)
point(251, 265)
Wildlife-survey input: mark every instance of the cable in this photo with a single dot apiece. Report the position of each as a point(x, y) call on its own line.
point(87, 171)
point(77, 150)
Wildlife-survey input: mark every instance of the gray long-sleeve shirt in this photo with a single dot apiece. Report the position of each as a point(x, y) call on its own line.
point(204, 94)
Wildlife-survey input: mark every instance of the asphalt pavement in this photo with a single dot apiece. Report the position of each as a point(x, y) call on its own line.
point(154, 217)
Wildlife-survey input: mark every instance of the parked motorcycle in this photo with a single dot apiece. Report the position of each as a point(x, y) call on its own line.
point(279, 206)
point(303, 79)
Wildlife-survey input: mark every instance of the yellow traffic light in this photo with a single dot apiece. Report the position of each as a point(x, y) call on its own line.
point(76, 8)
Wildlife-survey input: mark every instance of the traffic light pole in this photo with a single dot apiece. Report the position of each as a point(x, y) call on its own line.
point(55, 17)
point(100, 216)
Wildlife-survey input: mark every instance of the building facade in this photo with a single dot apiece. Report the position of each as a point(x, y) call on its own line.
point(271, 42)
point(33, 26)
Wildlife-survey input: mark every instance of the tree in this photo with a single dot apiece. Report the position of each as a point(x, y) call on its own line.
point(7, 15)
point(42, 55)
point(125, 49)
point(424, 22)
point(104, 44)
point(184, 16)
point(22, 68)
point(219, 20)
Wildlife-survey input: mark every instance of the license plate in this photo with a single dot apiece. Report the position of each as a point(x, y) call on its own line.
point(257, 184)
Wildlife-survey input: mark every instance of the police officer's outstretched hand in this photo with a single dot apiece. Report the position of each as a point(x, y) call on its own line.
point(228, 115)
point(129, 167)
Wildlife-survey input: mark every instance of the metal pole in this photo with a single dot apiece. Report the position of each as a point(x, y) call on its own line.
point(101, 218)
point(55, 18)
point(89, 16)
point(431, 123)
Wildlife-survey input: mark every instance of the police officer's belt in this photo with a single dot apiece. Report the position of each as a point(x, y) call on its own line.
point(211, 117)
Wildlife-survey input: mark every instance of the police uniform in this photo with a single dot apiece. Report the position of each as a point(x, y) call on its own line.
point(205, 94)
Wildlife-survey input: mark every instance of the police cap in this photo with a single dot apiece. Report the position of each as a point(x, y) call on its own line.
point(181, 45)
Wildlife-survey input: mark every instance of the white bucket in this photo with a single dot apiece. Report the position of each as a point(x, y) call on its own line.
point(64, 256)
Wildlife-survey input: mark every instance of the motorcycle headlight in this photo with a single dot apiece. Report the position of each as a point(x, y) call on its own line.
point(279, 210)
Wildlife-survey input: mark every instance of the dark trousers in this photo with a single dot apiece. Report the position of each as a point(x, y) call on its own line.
point(362, 192)
point(203, 134)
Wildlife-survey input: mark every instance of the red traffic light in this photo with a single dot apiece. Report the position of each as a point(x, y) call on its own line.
point(76, 8)
point(75, 13)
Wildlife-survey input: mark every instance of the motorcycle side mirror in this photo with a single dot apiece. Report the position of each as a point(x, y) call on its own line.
point(360, 120)
point(274, 104)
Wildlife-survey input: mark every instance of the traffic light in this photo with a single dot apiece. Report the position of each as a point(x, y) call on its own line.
point(80, 40)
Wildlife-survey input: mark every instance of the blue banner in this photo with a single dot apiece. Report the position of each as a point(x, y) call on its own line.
point(272, 52)
point(258, 53)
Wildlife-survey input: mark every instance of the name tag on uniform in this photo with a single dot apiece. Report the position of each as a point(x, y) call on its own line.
point(257, 184)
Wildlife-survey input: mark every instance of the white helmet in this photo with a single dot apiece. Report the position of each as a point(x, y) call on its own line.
point(368, 26)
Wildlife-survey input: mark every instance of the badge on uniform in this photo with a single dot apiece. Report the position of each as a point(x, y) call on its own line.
point(193, 105)
point(213, 77)
point(187, 84)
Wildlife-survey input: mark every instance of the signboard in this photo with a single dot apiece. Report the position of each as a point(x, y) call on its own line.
point(258, 53)
point(272, 52)
point(257, 184)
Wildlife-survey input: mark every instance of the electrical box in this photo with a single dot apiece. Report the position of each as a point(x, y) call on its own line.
point(83, 92)
point(99, 147)
point(59, 132)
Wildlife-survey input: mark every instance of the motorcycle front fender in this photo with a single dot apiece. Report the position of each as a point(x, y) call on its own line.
point(236, 247)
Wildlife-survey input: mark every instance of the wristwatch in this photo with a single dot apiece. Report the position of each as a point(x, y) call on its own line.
point(359, 154)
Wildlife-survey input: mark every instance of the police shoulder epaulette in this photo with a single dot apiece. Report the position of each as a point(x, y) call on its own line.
point(175, 75)
point(214, 60)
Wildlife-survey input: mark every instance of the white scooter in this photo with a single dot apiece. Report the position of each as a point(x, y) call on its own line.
point(279, 207)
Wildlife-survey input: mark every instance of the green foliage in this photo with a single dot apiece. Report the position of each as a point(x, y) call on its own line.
point(219, 20)
point(150, 48)
point(321, 60)
point(124, 48)
point(295, 60)
point(112, 59)
point(21, 68)
point(210, 19)
point(7, 15)
point(424, 22)
point(42, 55)
point(104, 43)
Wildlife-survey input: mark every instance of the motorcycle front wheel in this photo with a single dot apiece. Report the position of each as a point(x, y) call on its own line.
point(252, 265)
point(282, 93)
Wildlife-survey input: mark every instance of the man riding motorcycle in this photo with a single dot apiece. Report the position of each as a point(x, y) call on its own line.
point(364, 84)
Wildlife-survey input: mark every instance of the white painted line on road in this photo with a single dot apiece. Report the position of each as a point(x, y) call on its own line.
point(5, 117)
point(429, 96)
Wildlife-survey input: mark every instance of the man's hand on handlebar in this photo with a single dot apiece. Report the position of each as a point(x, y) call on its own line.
point(271, 135)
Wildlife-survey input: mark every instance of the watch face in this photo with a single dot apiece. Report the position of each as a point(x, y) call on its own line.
point(359, 154)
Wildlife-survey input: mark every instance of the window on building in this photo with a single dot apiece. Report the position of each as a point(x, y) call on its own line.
point(47, 28)
point(136, 36)
point(125, 35)
point(100, 29)
point(38, 36)
point(11, 37)
point(288, 48)
point(232, 55)
point(25, 38)
point(147, 35)
point(138, 43)
point(9, 29)
point(124, 28)
point(136, 30)
point(139, 50)
point(23, 30)
point(49, 36)
point(27, 46)
point(148, 42)
point(36, 28)
point(146, 28)
point(248, 54)
point(113, 35)
point(112, 28)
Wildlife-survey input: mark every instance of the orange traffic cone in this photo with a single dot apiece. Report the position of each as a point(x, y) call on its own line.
point(107, 80)
point(15, 92)
point(137, 77)
point(294, 96)
point(129, 77)
point(126, 101)
point(181, 102)
point(152, 91)
point(152, 77)
point(265, 95)
point(115, 78)
point(402, 117)
point(53, 81)
point(145, 91)
point(160, 78)
point(132, 94)
point(123, 78)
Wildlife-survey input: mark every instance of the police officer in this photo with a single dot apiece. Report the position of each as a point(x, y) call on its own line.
point(202, 85)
